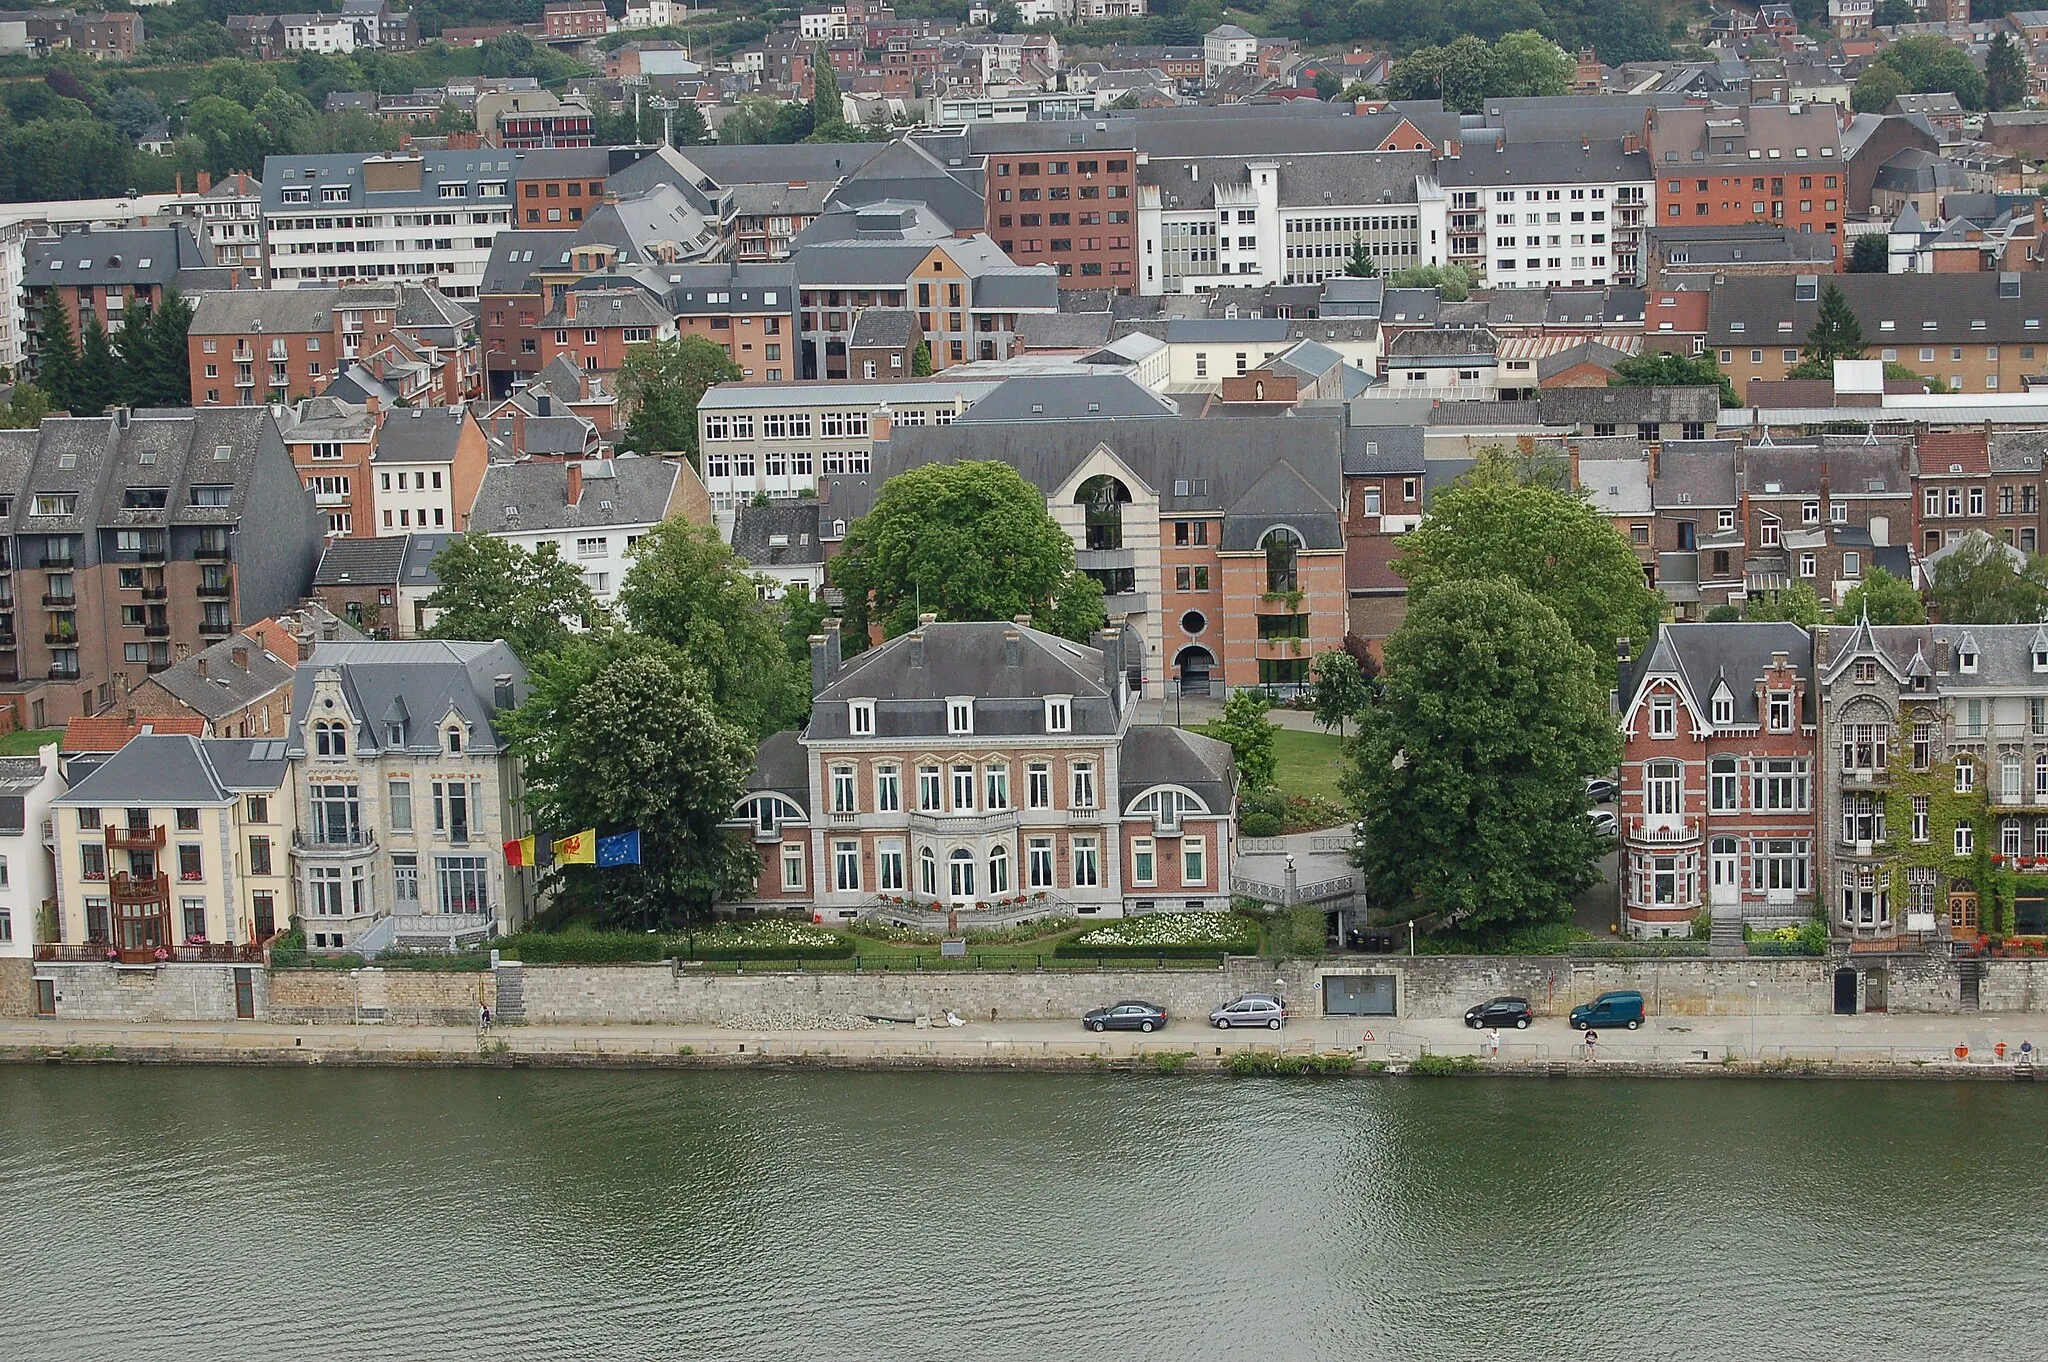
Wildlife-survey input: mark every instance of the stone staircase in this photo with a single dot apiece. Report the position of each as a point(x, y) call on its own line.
point(511, 1008)
point(1725, 940)
point(1970, 979)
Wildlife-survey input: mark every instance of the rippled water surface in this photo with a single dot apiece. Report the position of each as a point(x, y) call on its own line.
point(171, 1214)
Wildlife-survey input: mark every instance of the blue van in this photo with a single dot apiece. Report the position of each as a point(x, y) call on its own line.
point(1610, 1009)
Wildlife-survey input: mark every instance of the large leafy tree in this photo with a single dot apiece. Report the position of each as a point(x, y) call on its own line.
point(1664, 369)
point(1835, 334)
point(1453, 281)
point(1467, 72)
point(662, 381)
point(620, 732)
point(1877, 87)
point(1338, 689)
point(1980, 583)
point(1553, 544)
point(1933, 65)
point(25, 408)
point(964, 541)
point(1794, 603)
point(1252, 737)
point(1468, 776)
point(2005, 73)
point(687, 589)
point(492, 588)
point(1885, 598)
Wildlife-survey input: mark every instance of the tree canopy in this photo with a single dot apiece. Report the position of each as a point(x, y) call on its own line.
point(2005, 74)
point(687, 589)
point(1929, 64)
point(1338, 689)
point(1666, 369)
point(492, 588)
point(1454, 280)
point(1885, 598)
point(964, 541)
point(1872, 254)
point(1468, 775)
point(1467, 71)
point(1982, 582)
point(1553, 544)
point(1794, 603)
point(662, 382)
point(1251, 736)
point(620, 731)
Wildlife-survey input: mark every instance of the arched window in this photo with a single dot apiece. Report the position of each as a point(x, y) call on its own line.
point(1103, 498)
point(330, 740)
point(1282, 546)
point(999, 869)
point(454, 741)
point(960, 874)
point(928, 872)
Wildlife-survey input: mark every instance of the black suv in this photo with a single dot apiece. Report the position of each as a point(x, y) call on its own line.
point(1501, 1012)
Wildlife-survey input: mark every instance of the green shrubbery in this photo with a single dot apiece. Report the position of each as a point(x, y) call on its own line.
point(1265, 1063)
point(763, 939)
point(1259, 824)
point(1443, 1066)
point(1176, 935)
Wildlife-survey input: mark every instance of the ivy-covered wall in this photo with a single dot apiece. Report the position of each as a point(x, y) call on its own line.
point(1946, 811)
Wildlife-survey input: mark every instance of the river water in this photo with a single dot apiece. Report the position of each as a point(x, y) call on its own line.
point(168, 1214)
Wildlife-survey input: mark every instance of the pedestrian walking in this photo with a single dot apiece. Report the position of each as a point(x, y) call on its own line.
point(483, 1017)
point(1592, 1045)
point(1493, 1042)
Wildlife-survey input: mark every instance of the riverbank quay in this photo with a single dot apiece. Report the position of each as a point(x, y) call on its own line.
point(1868, 1047)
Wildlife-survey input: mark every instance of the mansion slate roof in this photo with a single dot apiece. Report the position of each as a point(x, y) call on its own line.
point(1703, 656)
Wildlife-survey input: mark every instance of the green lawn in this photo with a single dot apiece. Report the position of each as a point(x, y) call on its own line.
point(24, 742)
point(1309, 763)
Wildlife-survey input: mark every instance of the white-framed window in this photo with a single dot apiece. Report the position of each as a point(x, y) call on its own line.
point(1038, 863)
point(1781, 785)
point(999, 869)
point(1966, 775)
point(1724, 708)
point(846, 866)
point(1144, 861)
point(2009, 837)
point(963, 789)
point(1781, 863)
point(1920, 807)
point(1778, 711)
point(1081, 788)
point(842, 789)
point(792, 868)
point(591, 546)
point(1966, 659)
point(960, 714)
point(929, 795)
point(860, 718)
point(1723, 785)
point(1663, 789)
point(1966, 839)
point(928, 871)
point(1059, 714)
point(1194, 860)
point(1085, 853)
point(1038, 785)
point(1663, 717)
point(889, 866)
point(996, 786)
point(888, 788)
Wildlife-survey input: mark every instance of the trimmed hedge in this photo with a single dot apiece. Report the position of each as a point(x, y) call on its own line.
point(618, 948)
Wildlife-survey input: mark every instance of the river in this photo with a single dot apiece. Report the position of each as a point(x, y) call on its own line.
point(171, 1214)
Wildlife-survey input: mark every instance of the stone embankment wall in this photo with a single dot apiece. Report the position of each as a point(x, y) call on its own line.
point(661, 994)
point(17, 991)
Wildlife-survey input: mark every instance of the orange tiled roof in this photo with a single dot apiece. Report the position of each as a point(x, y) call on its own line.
point(1942, 452)
point(107, 733)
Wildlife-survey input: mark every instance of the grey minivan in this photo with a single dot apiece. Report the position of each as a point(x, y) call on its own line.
point(1251, 1009)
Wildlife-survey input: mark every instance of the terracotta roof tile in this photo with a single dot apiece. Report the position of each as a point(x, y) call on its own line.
point(106, 733)
point(1944, 452)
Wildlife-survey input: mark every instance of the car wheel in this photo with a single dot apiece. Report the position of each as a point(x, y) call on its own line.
point(1634, 1024)
point(1223, 1023)
point(1146, 1027)
point(1097, 1026)
point(1521, 1023)
point(1472, 1022)
point(1274, 1024)
point(1578, 1026)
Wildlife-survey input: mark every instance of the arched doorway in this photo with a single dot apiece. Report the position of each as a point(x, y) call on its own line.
point(1193, 666)
point(960, 876)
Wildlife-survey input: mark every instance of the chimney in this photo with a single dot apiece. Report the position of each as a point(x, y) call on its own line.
point(501, 692)
point(575, 483)
point(373, 404)
point(200, 662)
point(543, 404)
point(205, 180)
point(1940, 655)
point(917, 638)
point(330, 630)
point(569, 304)
point(1111, 642)
point(241, 656)
point(878, 424)
point(1013, 649)
point(1021, 621)
point(825, 655)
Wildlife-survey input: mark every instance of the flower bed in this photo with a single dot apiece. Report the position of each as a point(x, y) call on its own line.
point(760, 939)
point(1182, 934)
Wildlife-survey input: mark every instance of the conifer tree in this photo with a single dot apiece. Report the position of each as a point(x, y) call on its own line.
point(57, 356)
point(99, 383)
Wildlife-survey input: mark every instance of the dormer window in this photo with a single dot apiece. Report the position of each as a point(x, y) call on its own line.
point(394, 735)
point(1059, 714)
point(1724, 709)
point(330, 740)
point(2040, 658)
point(1866, 673)
point(860, 718)
point(960, 714)
point(1663, 717)
point(1778, 711)
point(454, 741)
point(1966, 660)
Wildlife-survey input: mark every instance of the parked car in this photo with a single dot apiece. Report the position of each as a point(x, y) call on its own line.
point(1601, 789)
point(1250, 1009)
point(1605, 824)
point(1622, 1008)
point(1132, 1016)
point(1501, 1012)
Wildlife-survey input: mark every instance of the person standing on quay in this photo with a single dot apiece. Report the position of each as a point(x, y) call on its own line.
point(1493, 1042)
point(1592, 1045)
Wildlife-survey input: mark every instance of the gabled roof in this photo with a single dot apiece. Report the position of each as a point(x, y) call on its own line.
point(1159, 754)
point(433, 676)
point(105, 733)
point(533, 495)
point(780, 534)
point(159, 769)
point(1699, 656)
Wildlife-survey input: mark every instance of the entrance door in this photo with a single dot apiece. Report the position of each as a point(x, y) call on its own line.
point(1195, 663)
point(46, 997)
point(266, 917)
point(1874, 990)
point(960, 877)
point(1845, 993)
point(245, 994)
point(1723, 872)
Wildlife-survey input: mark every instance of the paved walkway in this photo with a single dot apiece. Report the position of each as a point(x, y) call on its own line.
point(1663, 1041)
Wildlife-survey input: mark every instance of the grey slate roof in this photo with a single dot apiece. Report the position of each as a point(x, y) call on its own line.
point(354, 562)
point(1588, 406)
point(431, 676)
point(533, 495)
point(123, 255)
point(1696, 473)
point(1064, 330)
point(1382, 449)
point(911, 676)
point(780, 534)
point(1066, 398)
point(156, 770)
point(885, 328)
point(1385, 179)
point(781, 765)
point(421, 435)
point(224, 687)
point(1598, 160)
point(1160, 754)
point(1737, 653)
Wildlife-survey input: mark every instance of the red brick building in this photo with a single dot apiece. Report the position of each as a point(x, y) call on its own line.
point(574, 19)
point(1775, 163)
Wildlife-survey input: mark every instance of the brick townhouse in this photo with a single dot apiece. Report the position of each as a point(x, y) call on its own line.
point(1824, 513)
point(1718, 798)
point(274, 346)
point(1971, 480)
point(989, 768)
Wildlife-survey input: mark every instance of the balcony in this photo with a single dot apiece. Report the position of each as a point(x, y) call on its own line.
point(64, 564)
point(213, 553)
point(1643, 832)
point(127, 889)
point(156, 631)
point(134, 837)
point(61, 638)
point(216, 590)
point(10, 674)
point(151, 553)
point(222, 952)
point(1866, 775)
point(216, 628)
point(156, 593)
point(60, 671)
point(63, 601)
point(964, 824)
point(341, 843)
